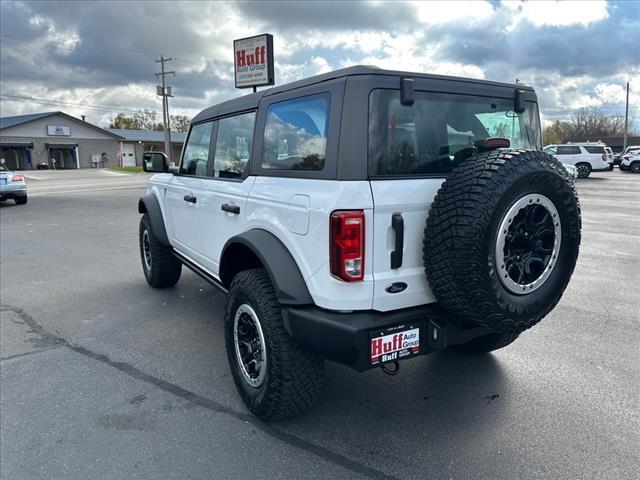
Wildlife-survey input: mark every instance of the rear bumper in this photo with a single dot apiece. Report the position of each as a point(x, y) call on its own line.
point(12, 194)
point(346, 337)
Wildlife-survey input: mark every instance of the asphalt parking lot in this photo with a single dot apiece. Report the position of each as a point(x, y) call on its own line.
point(103, 377)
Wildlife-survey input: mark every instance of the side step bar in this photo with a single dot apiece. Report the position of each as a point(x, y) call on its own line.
point(200, 272)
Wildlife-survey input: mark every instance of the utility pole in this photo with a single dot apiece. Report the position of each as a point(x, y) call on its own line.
point(626, 120)
point(165, 91)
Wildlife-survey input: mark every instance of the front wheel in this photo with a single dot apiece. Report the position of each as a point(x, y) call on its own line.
point(161, 268)
point(275, 376)
point(635, 167)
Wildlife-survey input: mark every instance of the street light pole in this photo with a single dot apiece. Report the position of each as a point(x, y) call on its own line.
point(626, 121)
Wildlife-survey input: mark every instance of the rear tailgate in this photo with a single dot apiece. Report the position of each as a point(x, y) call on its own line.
point(411, 199)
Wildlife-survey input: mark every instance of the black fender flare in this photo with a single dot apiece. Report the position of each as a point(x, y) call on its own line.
point(290, 287)
point(149, 204)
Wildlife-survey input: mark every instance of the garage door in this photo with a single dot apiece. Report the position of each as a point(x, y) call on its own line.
point(128, 155)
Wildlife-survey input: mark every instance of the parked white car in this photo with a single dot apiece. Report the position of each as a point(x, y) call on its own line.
point(571, 169)
point(610, 156)
point(12, 186)
point(631, 160)
point(345, 222)
point(586, 157)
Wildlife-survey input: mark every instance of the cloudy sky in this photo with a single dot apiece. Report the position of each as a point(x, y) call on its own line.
point(98, 58)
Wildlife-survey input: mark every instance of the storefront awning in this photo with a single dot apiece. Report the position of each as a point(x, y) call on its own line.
point(61, 145)
point(16, 145)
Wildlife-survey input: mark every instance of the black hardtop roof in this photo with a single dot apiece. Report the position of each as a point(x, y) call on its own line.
point(249, 102)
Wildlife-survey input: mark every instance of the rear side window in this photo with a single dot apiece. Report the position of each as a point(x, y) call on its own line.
point(196, 153)
point(437, 132)
point(233, 145)
point(567, 150)
point(594, 149)
point(295, 135)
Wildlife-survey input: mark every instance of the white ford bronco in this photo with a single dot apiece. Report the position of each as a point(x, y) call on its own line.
point(363, 216)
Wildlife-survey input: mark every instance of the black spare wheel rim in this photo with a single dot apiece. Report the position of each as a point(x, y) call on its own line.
point(527, 244)
point(502, 239)
point(250, 346)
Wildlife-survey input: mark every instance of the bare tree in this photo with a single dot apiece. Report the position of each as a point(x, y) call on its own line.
point(585, 124)
point(143, 120)
point(180, 123)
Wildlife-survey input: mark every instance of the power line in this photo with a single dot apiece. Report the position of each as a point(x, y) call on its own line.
point(43, 101)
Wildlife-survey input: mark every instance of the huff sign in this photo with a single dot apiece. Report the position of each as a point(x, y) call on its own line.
point(253, 61)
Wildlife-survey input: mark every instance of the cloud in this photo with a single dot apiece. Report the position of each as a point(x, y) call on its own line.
point(557, 13)
point(103, 53)
point(439, 11)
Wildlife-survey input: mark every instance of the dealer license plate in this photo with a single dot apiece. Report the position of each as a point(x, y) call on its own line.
point(394, 343)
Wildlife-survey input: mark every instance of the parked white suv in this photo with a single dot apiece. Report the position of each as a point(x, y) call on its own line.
point(586, 157)
point(631, 159)
point(365, 217)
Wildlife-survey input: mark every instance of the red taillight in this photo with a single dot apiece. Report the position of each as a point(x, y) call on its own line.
point(604, 157)
point(347, 245)
point(18, 178)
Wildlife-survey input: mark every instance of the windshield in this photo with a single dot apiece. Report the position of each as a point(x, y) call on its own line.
point(437, 132)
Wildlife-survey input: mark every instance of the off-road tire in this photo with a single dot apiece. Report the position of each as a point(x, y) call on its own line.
point(583, 170)
point(165, 267)
point(459, 249)
point(21, 200)
point(294, 376)
point(487, 343)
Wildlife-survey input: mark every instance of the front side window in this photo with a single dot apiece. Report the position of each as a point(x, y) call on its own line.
point(233, 145)
point(295, 135)
point(196, 153)
point(437, 132)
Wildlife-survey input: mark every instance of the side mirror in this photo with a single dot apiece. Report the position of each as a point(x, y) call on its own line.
point(519, 102)
point(155, 162)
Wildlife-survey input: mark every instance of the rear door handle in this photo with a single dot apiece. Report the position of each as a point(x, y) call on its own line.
point(190, 199)
point(397, 223)
point(231, 208)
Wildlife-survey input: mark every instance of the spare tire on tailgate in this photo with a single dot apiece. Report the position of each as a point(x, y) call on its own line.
point(502, 239)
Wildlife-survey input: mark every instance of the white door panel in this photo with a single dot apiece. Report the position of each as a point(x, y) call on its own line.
point(412, 199)
point(217, 226)
point(184, 233)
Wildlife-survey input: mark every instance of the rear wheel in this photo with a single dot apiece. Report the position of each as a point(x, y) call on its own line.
point(583, 169)
point(275, 376)
point(21, 200)
point(161, 268)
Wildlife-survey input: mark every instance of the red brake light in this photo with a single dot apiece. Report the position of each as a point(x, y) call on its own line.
point(492, 143)
point(18, 178)
point(347, 245)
